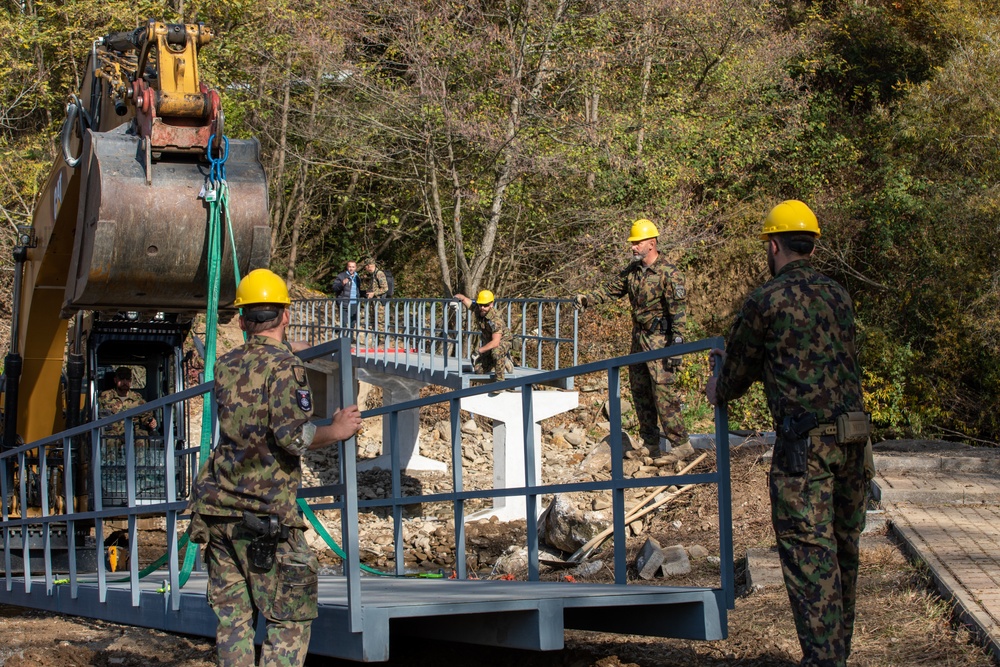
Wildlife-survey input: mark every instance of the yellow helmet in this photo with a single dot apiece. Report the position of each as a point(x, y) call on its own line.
point(261, 286)
point(485, 297)
point(642, 229)
point(790, 215)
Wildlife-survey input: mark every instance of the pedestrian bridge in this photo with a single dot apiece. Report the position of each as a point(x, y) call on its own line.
point(429, 340)
point(361, 612)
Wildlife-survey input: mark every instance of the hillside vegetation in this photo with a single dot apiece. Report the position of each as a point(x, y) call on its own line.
point(509, 145)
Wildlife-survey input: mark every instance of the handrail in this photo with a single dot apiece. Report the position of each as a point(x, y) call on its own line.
point(435, 335)
point(345, 493)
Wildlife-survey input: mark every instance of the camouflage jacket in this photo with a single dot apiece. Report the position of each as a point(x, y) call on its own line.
point(376, 284)
point(264, 405)
point(795, 333)
point(654, 292)
point(110, 403)
point(490, 324)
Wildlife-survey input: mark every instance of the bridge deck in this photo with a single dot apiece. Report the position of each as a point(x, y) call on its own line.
point(527, 615)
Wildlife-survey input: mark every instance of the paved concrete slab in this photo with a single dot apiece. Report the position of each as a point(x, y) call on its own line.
point(961, 546)
point(943, 501)
point(922, 487)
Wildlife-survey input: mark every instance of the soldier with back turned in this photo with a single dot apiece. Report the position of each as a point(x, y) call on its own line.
point(796, 334)
point(243, 505)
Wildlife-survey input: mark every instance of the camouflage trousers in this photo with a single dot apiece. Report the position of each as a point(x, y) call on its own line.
point(286, 595)
point(655, 398)
point(487, 362)
point(818, 518)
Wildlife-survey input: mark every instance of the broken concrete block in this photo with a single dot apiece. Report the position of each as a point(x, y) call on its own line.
point(649, 559)
point(675, 561)
point(697, 551)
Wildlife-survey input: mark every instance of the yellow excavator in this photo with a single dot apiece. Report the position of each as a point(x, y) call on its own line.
point(118, 244)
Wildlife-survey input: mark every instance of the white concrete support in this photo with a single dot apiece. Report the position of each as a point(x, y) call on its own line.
point(508, 442)
point(396, 389)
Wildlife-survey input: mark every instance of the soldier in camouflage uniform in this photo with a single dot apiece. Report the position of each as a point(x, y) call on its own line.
point(655, 290)
point(796, 334)
point(244, 500)
point(495, 340)
point(121, 398)
point(375, 282)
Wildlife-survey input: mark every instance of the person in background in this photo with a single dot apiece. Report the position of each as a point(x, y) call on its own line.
point(656, 292)
point(347, 290)
point(121, 398)
point(496, 338)
point(376, 284)
point(243, 504)
point(796, 334)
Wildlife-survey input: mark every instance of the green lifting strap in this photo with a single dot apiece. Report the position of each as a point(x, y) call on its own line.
point(217, 197)
point(322, 532)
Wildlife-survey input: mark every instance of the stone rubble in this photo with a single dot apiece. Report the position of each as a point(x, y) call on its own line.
point(570, 454)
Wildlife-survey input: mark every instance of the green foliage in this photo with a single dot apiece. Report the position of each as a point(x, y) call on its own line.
point(436, 135)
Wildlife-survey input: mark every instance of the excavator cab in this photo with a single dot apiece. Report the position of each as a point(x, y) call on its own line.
point(151, 355)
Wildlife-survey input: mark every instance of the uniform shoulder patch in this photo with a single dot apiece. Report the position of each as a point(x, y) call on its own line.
point(300, 375)
point(304, 399)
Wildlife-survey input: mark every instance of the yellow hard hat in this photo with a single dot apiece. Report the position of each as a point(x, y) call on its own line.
point(485, 297)
point(261, 286)
point(642, 229)
point(790, 215)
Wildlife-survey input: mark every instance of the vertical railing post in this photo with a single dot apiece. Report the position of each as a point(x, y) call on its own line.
point(70, 510)
point(170, 486)
point(617, 473)
point(102, 577)
point(133, 525)
point(349, 515)
point(25, 551)
point(43, 483)
point(728, 576)
point(530, 479)
point(457, 486)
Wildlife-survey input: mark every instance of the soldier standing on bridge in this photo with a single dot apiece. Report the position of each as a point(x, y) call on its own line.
point(496, 338)
point(243, 505)
point(655, 289)
point(796, 334)
point(376, 284)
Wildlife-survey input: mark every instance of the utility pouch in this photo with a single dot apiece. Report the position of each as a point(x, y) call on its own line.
point(262, 551)
point(795, 442)
point(796, 453)
point(853, 428)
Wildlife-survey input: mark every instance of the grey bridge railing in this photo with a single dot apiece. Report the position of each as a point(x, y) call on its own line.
point(437, 335)
point(66, 448)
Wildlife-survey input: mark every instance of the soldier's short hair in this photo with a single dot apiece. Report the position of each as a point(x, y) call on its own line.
point(123, 373)
point(800, 243)
point(261, 317)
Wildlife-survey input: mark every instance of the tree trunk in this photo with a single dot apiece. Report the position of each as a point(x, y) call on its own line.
point(278, 215)
point(647, 68)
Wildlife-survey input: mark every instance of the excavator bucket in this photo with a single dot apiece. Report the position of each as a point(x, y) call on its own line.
point(142, 231)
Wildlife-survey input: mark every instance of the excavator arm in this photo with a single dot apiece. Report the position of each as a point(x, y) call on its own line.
point(121, 225)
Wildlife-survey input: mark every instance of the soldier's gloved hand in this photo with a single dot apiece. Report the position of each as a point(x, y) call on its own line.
point(474, 357)
point(580, 302)
point(675, 362)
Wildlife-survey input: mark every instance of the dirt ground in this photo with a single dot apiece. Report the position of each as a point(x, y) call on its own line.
point(900, 621)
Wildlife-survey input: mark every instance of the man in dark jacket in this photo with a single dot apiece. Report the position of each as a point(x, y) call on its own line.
point(347, 290)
